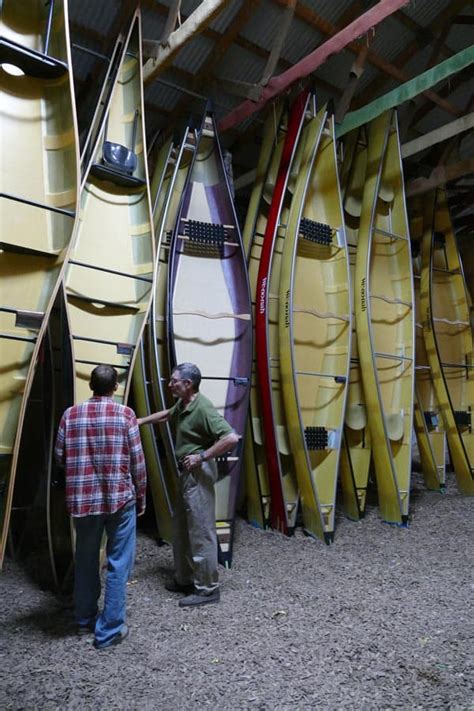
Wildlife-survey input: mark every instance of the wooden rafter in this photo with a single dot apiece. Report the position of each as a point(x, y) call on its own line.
point(454, 128)
point(192, 26)
point(373, 58)
point(310, 63)
point(440, 176)
point(422, 40)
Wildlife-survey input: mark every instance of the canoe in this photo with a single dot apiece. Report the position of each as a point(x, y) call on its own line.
point(357, 448)
point(315, 325)
point(283, 489)
point(209, 318)
point(427, 420)
point(384, 308)
point(39, 186)
point(109, 278)
point(447, 334)
point(165, 213)
point(142, 390)
point(258, 495)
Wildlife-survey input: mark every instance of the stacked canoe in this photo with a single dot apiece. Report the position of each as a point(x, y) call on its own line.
point(39, 186)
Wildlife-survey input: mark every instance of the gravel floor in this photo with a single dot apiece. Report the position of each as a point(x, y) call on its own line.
point(380, 620)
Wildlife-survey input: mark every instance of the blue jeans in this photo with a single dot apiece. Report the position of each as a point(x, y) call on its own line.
point(120, 528)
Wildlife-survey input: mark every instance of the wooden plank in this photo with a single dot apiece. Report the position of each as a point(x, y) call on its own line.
point(438, 135)
point(193, 26)
point(312, 61)
point(439, 176)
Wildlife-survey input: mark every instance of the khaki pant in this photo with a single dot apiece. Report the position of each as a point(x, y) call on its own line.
point(194, 529)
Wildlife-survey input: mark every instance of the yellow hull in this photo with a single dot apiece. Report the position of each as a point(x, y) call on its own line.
point(110, 270)
point(448, 336)
point(256, 474)
point(39, 186)
point(355, 462)
point(315, 326)
point(384, 307)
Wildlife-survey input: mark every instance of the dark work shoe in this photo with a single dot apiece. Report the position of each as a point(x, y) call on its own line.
point(174, 586)
point(200, 599)
point(118, 639)
point(82, 630)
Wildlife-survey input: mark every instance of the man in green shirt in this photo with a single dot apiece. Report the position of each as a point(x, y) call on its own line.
point(201, 434)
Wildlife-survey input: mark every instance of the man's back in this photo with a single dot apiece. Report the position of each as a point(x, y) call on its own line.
point(99, 445)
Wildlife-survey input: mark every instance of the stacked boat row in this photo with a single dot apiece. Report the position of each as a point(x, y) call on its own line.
point(100, 267)
point(333, 389)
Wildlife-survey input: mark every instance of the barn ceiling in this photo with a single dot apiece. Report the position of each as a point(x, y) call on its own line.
point(244, 43)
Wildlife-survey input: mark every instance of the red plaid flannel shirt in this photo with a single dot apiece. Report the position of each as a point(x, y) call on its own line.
point(99, 445)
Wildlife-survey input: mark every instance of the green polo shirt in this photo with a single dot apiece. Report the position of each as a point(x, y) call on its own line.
point(197, 426)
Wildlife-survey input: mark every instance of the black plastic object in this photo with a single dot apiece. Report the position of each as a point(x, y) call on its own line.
point(316, 231)
point(205, 232)
point(462, 418)
point(32, 63)
point(316, 437)
point(431, 418)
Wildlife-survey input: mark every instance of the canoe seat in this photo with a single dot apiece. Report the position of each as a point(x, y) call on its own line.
point(395, 426)
point(316, 231)
point(119, 163)
point(282, 439)
point(257, 431)
point(356, 416)
point(29, 61)
point(316, 438)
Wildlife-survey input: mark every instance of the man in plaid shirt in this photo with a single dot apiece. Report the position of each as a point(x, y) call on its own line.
point(99, 445)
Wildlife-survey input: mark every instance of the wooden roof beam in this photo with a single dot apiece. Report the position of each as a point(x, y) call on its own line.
point(439, 22)
point(439, 176)
point(375, 59)
point(449, 130)
point(312, 61)
point(192, 26)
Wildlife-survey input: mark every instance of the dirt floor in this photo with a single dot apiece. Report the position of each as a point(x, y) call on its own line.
point(382, 619)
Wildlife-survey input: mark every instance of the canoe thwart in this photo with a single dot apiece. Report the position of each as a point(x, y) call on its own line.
point(42, 205)
point(10, 337)
point(21, 249)
point(110, 271)
point(126, 366)
point(122, 348)
point(316, 437)
point(30, 62)
point(390, 235)
point(316, 231)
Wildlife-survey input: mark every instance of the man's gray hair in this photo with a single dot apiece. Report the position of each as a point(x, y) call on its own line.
point(189, 371)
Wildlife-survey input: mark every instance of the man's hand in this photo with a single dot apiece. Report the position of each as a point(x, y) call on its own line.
point(190, 462)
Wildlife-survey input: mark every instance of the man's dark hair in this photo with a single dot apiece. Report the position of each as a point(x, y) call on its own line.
point(103, 379)
point(189, 371)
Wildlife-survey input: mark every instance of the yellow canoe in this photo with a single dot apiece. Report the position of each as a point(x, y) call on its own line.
point(315, 325)
point(39, 186)
point(384, 308)
point(447, 334)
